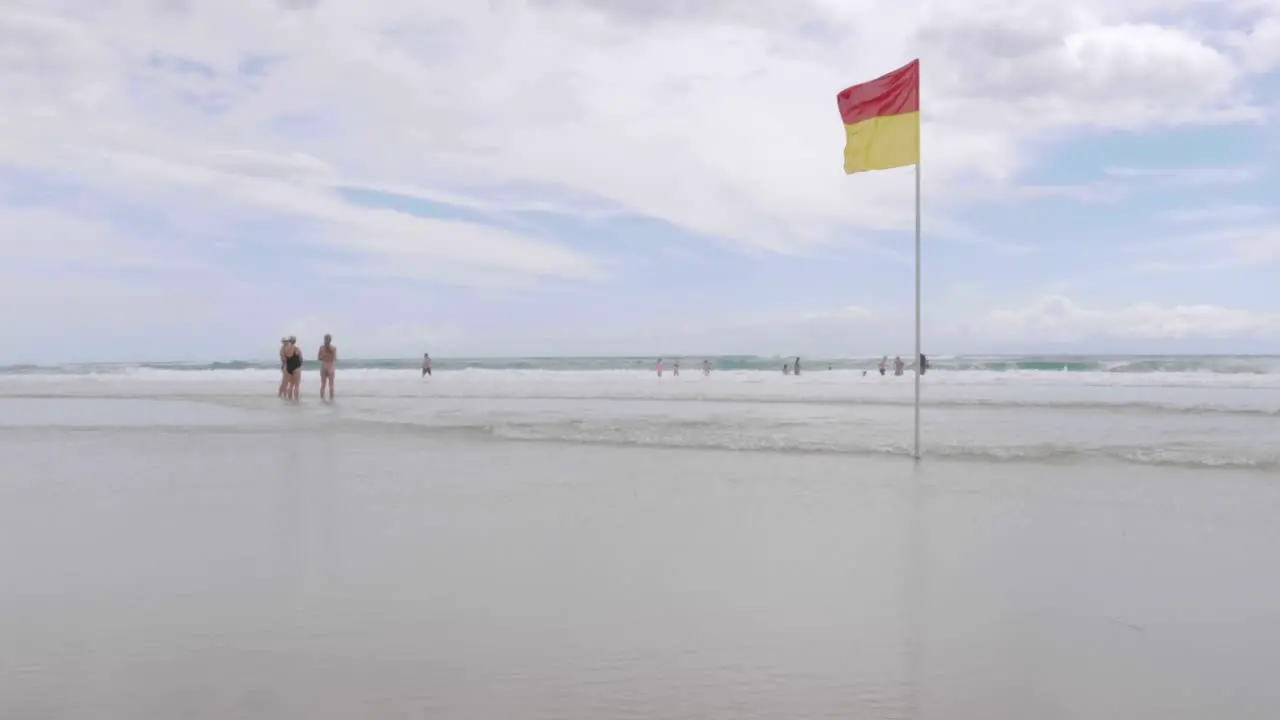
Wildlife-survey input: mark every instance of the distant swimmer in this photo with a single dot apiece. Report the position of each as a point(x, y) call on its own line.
point(284, 375)
point(426, 364)
point(659, 367)
point(706, 367)
point(293, 366)
point(797, 365)
point(675, 368)
point(898, 365)
point(327, 355)
point(883, 361)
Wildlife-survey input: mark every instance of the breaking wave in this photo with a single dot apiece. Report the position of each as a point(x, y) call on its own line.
point(1217, 364)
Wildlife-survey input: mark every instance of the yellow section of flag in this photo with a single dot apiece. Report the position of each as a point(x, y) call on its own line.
point(882, 121)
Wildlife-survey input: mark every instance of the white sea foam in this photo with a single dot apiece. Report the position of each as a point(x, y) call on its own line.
point(1192, 418)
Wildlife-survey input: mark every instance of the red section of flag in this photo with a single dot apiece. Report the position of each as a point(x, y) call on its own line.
point(895, 93)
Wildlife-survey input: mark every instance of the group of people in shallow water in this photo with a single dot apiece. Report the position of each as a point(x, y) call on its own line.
point(675, 368)
point(327, 356)
point(899, 365)
point(793, 368)
point(291, 367)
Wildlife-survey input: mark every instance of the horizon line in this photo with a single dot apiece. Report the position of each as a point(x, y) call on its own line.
point(655, 356)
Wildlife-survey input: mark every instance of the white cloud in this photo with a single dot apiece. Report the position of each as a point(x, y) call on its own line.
point(35, 237)
point(1053, 65)
point(1220, 214)
point(1056, 318)
point(854, 313)
point(1091, 192)
point(1243, 246)
point(1119, 183)
point(1189, 176)
point(1222, 247)
point(1260, 44)
point(1048, 321)
point(204, 118)
point(718, 117)
point(80, 302)
point(942, 228)
point(376, 340)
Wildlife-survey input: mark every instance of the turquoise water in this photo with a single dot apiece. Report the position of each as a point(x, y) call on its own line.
point(1219, 364)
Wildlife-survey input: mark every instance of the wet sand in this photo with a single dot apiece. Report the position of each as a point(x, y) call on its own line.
point(207, 567)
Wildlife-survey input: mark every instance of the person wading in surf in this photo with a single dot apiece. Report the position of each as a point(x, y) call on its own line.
point(284, 375)
point(327, 355)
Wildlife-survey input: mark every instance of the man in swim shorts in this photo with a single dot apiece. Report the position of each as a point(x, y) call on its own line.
point(426, 364)
point(327, 354)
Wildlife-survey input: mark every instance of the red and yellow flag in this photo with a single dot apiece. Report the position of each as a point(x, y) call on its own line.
point(882, 121)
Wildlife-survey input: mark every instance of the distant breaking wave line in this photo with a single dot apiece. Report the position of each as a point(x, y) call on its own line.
point(1214, 364)
point(959, 403)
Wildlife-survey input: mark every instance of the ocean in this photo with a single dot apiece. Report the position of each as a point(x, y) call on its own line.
point(1192, 411)
point(579, 539)
point(1217, 364)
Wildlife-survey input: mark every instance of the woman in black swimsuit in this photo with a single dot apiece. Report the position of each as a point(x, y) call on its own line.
point(293, 367)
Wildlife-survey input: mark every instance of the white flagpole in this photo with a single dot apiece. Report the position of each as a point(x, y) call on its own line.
point(919, 364)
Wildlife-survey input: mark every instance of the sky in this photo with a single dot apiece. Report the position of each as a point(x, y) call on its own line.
point(191, 179)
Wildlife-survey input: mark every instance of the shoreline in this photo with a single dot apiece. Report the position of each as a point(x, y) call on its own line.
point(49, 416)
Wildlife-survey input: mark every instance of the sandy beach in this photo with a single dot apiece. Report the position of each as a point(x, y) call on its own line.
point(190, 558)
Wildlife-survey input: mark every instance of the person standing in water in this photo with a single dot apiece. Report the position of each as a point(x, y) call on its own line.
point(924, 364)
point(426, 364)
point(284, 374)
point(293, 366)
point(898, 365)
point(327, 355)
point(797, 365)
point(659, 367)
point(786, 368)
point(883, 362)
point(675, 369)
point(706, 368)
